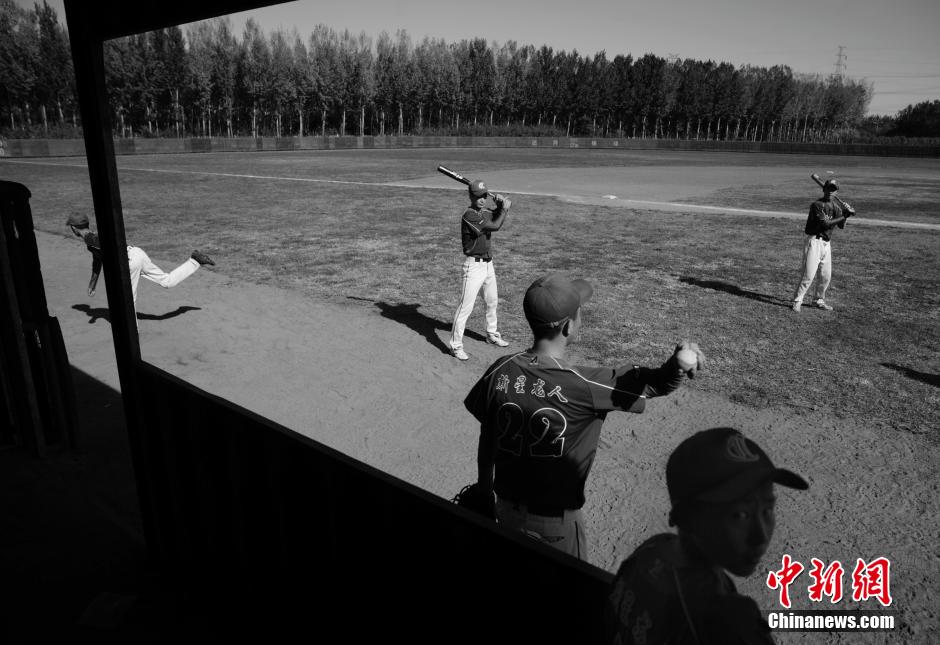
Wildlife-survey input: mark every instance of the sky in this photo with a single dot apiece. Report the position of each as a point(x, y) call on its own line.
point(893, 44)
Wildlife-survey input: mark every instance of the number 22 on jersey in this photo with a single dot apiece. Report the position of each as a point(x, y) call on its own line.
point(539, 435)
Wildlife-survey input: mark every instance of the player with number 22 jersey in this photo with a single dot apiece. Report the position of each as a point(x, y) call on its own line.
point(540, 417)
point(547, 416)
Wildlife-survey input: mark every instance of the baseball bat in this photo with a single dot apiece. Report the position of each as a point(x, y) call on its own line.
point(456, 176)
point(835, 198)
point(453, 175)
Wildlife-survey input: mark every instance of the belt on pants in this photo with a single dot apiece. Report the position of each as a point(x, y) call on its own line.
point(477, 258)
point(544, 511)
point(821, 237)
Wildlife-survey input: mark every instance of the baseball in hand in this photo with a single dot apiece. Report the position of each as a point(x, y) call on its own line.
point(688, 359)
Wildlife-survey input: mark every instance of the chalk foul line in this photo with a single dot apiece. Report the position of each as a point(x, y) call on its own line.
point(618, 201)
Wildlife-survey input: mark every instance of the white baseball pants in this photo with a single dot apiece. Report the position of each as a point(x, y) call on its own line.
point(475, 275)
point(817, 256)
point(141, 265)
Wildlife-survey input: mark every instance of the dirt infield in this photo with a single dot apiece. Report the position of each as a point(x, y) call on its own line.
point(372, 380)
point(331, 302)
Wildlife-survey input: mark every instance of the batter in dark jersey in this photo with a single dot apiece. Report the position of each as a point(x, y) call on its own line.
point(540, 417)
point(825, 215)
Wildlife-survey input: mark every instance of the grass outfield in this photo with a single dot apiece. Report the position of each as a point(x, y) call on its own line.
point(721, 280)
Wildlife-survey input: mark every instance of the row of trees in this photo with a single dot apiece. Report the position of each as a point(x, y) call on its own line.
point(212, 82)
point(37, 83)
point(921, 120)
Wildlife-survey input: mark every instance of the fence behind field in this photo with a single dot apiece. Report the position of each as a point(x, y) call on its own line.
point(76, 147)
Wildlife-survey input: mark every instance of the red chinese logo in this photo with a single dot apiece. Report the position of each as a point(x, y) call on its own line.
point(826, 582)
point(869, 580)
point(872, 580)
point(783, 578)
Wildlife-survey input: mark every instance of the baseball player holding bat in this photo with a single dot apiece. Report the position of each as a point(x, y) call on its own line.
point(476, 226)
point(825, 214)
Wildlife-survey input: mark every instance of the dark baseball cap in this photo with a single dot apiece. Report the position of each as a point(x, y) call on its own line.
point(721, 465)
point(78, 220)
point(554, 298)
point(831, 185)
point(478, 188)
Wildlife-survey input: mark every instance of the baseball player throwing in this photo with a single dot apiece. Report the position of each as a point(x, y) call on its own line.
point(139, 263)
point(540, 417)
point(476, 227)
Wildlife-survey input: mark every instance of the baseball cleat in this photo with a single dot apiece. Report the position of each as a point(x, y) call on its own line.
point(496, 339)
point(459, 354)
point(202, 258)
point(822, 305)
point(796, 306)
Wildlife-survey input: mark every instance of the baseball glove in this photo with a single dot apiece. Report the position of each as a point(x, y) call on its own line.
point(474, 498)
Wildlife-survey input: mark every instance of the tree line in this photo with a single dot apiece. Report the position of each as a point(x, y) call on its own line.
point(210, 81)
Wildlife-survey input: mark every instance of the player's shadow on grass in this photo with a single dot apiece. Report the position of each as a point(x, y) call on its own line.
point(179, 311)
point(923, 377)
point(735, 290)
point(409, 316)
point(103, 313)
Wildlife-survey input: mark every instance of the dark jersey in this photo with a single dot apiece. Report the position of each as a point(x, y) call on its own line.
point(476, 241)
point(545, 417)
point(663, 595)
point(94, 247)
point(821, 213)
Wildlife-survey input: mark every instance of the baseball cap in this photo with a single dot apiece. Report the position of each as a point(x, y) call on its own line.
point(478, 188)
point(78, 220)
point(831, 184)
point(722, 465)
point(554, 298)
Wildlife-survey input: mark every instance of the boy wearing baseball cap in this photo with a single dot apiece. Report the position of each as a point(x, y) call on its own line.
point(540, 417)
point(674, 587)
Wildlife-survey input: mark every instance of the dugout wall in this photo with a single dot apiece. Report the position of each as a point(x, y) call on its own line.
point(270, 531)
point(37, 397)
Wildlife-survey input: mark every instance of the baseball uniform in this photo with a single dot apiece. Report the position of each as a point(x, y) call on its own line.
point(824, 216)
point(140, 265)
point(476, 228)
point(544, 416)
